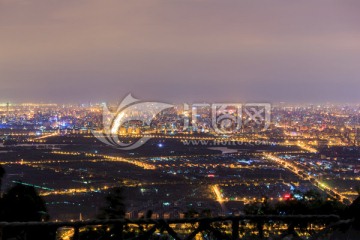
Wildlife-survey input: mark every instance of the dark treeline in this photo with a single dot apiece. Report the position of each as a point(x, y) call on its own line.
point(22, 203)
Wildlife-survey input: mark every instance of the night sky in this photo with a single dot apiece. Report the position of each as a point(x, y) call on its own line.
point(180, 50)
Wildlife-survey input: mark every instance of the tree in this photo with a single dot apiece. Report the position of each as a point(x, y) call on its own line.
point(22, 204)
point(259, 208)
point(115, 207)
point(310, 202)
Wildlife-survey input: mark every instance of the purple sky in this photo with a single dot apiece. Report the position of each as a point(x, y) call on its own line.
point(180, 50)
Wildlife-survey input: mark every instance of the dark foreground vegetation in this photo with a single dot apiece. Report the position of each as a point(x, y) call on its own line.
point(21, 203)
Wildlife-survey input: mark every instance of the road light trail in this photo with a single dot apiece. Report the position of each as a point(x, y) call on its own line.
point(294, 169)
point(48, 135)
point(306, 147)
point(219, 197)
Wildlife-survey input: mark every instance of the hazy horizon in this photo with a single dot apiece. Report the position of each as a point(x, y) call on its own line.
point(180, 51)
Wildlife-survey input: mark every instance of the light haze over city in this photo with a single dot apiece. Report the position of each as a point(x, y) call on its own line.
point(179, 51)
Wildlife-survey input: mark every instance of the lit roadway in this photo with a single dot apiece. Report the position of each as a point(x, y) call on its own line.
point(48, 135)
point(110, 158)
point(294, 169)
point(219, 197)
point(306, 147)
point(192, 137)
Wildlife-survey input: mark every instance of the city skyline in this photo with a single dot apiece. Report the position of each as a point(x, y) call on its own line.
point(179, 119)
point(225, 167)
point(186, 51)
